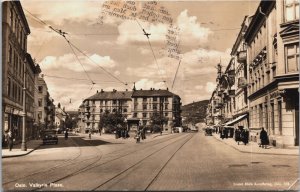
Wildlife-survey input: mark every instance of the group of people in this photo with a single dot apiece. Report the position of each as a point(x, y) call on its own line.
point(241, 135)
point(140, 134)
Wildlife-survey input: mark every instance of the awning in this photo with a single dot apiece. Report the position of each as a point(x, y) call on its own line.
point(236, 119)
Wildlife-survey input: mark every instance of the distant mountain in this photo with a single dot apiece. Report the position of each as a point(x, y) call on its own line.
point(194, 112)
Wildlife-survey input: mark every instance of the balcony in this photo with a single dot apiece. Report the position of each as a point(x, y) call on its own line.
point(219, 105)
point(242, 56)
point(231, 93)
point(242, 82)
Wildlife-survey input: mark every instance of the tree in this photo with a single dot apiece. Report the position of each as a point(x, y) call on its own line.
point(157, 122)
point(111, 121)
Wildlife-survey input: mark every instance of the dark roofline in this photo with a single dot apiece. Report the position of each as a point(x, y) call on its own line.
point(240, 36)
point(30, 62)
point(258, 19)
point(19, 7)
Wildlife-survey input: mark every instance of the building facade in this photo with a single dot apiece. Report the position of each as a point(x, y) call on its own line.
point(94, 106)
point(17, 68)
point(266, 56)
point(163, 102)
point(136, 106)
point(45, 108)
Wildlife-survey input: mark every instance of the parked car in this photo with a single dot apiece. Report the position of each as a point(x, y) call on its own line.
point(49, 136)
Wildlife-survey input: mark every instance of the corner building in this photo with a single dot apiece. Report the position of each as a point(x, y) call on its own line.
point(272, 40)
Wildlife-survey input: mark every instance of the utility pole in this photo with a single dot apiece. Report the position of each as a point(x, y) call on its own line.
point(23, 145)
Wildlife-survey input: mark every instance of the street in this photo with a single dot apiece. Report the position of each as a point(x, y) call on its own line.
point(184, 161)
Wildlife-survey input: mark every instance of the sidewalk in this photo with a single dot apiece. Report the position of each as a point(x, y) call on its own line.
point(252, 147)
point(16, 151)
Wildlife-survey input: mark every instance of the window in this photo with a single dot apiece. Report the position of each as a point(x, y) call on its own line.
point(154, 98)
point(39, 115)
point(154, 107)
point(114, 102)
point(114, 110)
point(166, 114)
point(166, 106)
point(144, 114)
point(40, 89)
point(144, 107)
point(280, 117)
point(125, 110)
point(292, 57)
point(11, 18)
point(40, 102)
point(291, 10)
point(101, 110)
point(10, 55)
point(144, 99)
point(134, 114)
point(8, 87)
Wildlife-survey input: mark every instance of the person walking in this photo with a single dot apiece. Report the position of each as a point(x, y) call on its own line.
point(245, 136)
point(66, 134)
point(10, 140)
point(264, 139)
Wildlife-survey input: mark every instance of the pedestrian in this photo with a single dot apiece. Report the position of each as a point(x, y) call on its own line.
point(137, 136)
point(237, 134)
point(10, 140)
point(264, 139)
point(245, 136)
point(222, 132)
point(66, 134)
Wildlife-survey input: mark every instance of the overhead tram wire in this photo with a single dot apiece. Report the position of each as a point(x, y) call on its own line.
point(116, 78)
point(159, 70)
point(62, 33)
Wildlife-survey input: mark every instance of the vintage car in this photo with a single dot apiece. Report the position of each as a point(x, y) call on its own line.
point(208, 131)
point(49, 136)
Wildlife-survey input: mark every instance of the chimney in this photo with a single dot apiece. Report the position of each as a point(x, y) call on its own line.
point(126, 89)
point(102, 91)
point(97, 91)
point(167, 88)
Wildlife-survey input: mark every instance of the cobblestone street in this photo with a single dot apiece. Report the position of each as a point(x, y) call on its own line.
point(186, 161)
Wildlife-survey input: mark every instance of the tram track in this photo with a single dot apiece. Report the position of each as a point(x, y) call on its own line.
point(139, 163)
point(93, 165)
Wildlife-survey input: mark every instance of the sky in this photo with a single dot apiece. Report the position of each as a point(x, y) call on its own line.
point(102, 51)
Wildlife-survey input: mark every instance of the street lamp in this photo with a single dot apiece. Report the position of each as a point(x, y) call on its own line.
point(23, 144)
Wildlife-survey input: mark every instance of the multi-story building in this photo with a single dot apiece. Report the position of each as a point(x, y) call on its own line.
point(273, 56)
point(16, 64)
point(94, 106)
point(136, 105)
point(45, 109)
point(240, 113)
point(267, 73)
point(60, 118)
point(163, 102)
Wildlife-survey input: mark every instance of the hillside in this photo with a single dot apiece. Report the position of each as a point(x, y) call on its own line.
point(194, 112)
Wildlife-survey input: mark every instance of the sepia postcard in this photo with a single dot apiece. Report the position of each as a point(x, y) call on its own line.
point(173, 95)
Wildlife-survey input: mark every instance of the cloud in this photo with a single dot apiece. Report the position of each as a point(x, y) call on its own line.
point(210, 87)
point(56, 10)
point(70, 62)
point(190, 29)
point(131, 32)
point(147, 84)
point(199, 87)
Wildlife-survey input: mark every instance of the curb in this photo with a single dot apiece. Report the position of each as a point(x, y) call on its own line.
point(252, 151)
point(19, 155)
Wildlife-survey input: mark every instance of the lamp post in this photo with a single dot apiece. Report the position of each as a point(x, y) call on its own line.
point(23, 144)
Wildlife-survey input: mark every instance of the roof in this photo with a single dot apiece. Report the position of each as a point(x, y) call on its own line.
point(152, 93)
point(104, 95)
